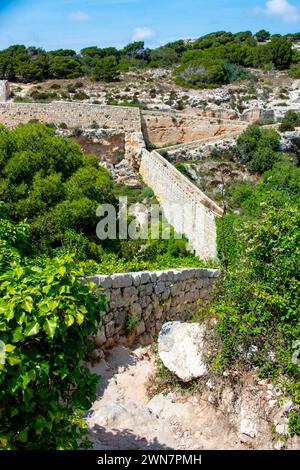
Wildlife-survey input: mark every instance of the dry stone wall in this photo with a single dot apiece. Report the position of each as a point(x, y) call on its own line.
point(72, 114)
point(150, 298)
point(185, 207)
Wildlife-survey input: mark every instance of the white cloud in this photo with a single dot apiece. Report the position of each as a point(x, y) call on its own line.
point(79, 16)
point(139, 34)
point(280, 8)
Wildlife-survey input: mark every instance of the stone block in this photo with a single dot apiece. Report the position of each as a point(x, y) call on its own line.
point(121, 280)
point(141, 328)
point(104, 281)
point(145, 289)
point(136, 278)
point(136, 310)
point(159, 288)
point(147, 311)
point(110, 329)
point(100, 338)
point(145, 277)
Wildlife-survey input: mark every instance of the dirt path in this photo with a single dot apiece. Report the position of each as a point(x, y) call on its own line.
point(124, 418)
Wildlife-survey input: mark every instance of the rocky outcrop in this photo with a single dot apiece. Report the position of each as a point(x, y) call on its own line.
point(258, 115)
point(219, 113)
point(180, 347)
point(162, 129)
point(124, 173)
point(134, 145)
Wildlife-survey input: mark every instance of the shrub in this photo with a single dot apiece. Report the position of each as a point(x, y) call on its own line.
point(46, 315)
point(290, 121)
point(263, 159)
point(258, 148)
point(259, 304)
point(80, 96)
point(47, 179)
point(131, 323)
point(294, 71)
point(236, 72)
point(183, 169)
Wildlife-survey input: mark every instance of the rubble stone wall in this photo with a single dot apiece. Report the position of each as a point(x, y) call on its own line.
point(148, 299)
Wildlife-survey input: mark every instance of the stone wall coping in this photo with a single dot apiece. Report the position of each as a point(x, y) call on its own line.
point(131, 109)
point(127, 279)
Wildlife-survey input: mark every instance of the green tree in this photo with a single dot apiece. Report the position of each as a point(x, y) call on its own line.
point(290, 121)
point(281, 50)
point(65, 67)
point(262, 35)
point(201, 73)
point(258, 148)
point(105, 69)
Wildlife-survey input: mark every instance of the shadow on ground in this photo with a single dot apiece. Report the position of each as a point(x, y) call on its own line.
point(120, 440)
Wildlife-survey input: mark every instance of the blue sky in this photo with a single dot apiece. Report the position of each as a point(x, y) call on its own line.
point(79, 23)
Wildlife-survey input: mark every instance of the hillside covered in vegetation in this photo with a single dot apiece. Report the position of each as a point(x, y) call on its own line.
point(211, 60)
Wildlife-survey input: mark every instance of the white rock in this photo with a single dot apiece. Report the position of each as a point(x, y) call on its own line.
point(279, 445)
point(180, 347)
point(248, 427)
point(282, 429)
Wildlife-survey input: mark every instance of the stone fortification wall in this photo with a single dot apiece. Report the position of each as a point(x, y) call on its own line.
point(166, 129)
point(74, 115)
point(185, 207)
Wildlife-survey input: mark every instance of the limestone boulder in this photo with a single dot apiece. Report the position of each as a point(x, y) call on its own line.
point(181, 347)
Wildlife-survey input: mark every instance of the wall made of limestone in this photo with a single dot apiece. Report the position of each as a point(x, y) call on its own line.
point(185, 207)
point(151, 298)
point(74, 115)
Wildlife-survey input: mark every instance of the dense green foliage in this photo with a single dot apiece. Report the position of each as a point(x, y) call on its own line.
point(46, 315)
point(258, 304)
point(258, 307)
point(106, 69)
point(49, 181)
point(258, 148)
point(211, 60)
point(201, 63)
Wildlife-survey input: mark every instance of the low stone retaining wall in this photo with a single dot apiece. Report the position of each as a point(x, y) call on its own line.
point(148, 299)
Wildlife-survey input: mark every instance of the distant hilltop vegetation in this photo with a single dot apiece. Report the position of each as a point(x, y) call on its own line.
point(209, 61)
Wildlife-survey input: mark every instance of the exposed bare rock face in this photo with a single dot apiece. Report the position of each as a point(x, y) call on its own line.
point(134, 145)
point(258, 115)
point(4, 91)
point(219, 113)
point(107, 144)
point(180, 347)
point(123, 173)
